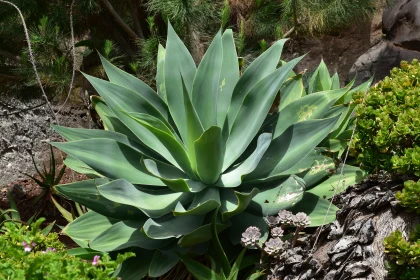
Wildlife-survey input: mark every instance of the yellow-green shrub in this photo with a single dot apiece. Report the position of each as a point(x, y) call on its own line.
point(388, 130)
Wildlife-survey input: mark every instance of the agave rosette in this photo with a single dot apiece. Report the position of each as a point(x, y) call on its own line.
point(167, 160)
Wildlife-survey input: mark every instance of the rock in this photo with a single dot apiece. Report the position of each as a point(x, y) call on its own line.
point(401, 25)
point(356, 270)
point(343, 244)
point(22, 133)
point(366, 233)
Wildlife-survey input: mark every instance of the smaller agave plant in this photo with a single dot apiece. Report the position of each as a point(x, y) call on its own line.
point(203, 144)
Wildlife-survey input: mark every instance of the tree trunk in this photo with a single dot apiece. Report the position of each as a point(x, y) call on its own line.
point(134, 14)
point(119, 20)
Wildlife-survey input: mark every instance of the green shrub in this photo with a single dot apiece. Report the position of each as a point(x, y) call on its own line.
point(409, 197)
point(388, 130)
point(27, 252)
point(404, 255)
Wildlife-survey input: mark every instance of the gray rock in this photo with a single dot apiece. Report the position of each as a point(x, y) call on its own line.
point(401, 25)
point(367, 232)
point(344, 244)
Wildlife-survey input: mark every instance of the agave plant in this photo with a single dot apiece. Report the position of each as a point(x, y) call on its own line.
point(167, 161)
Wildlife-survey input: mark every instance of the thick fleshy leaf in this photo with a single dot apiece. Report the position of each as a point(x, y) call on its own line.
point(206, 83)
point(84, 253)
point(154, 203)
point(351, 175)
point(174, 178)
point(168, 138)
point(168, 227)
point(244, 220)
point(253, 110)
point(137, 267)
point(200, 271)
point(119, 100)
point(200, 235)
point(87, 194)
point(234, 203)
point(111, 159)
point(291, 147)
point(74, 134)
point(126, 234)
point(160, 75)
point(349, 96)
point(260, 68)
point(321, 169)
point(233, 178)
point(203, 202)
point(163, 261)
point(276, 196)
point(292, 90)
point(89, 226)
point(194, 127)
point(309, 107)
point(320, 80)
point(317, 209)
point(229, 76)
point(209, 150)
point(112, 123)
point(80, 167)
point(335, 81)
point(181, 64)
point(121, 78)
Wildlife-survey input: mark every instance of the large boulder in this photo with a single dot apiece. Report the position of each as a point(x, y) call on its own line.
point(401, 29)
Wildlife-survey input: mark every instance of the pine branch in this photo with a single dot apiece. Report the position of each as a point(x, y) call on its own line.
point(119, 20)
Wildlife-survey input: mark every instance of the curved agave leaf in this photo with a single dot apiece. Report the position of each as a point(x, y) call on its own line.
point(234, 203)
point(163, 261)
point(291, 147)
point(317, 209)
point(111, 159)
point(260, 68)
point(80, 167)
point(121, 78)
point(309, 107)
point(126, 234)
point(167, 138)
point(166, 228)
point(74, 134)
point(209, 150)
point(136, 267)
point(88, 226)
point(178, 62)
point(229, 76)
point(206, 83)
point(253, 110)
point(321, 169)
point(276, 196)
point(351, 175)
point(320, 80)
point(174, 178)
point(335, 81)
point(86, 193)
point(160, 73)
point(201, 234)
point(234, 178)
point(292, 90)
point(154, 204)
point(203, 203)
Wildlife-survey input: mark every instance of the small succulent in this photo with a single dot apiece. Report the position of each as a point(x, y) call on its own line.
point(273, 246)
point(251, 236)
point(277, 232)
point(301, 220)
point(285, 217)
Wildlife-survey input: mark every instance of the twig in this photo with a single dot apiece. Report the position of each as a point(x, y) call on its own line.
point(73, 52)
point(32, 58)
